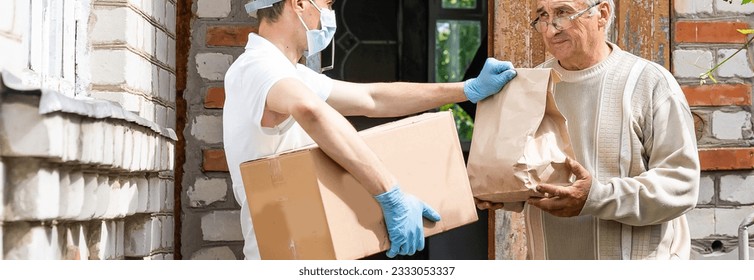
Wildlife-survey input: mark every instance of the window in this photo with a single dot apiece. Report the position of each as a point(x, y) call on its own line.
point(37, 42)
point(456, 30)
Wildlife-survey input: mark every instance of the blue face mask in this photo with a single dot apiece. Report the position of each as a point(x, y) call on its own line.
point(317, 40)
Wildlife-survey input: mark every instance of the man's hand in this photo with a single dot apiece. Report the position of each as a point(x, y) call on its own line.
point(487, 205)
point(403, 218)
point(495, 74)
point(565, 201)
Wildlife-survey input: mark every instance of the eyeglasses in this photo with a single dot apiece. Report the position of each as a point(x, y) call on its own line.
point(560, 23)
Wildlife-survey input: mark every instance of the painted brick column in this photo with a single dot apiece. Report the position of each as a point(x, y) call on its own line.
point(211, 227)
point(705, 34)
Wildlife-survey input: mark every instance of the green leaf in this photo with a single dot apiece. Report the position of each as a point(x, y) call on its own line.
point(746, 31)
point(745, 2)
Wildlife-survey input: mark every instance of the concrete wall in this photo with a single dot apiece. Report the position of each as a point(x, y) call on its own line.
point(82, 178)
point(704, 35)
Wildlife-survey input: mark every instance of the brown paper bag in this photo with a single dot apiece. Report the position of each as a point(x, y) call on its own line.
point(520, 140)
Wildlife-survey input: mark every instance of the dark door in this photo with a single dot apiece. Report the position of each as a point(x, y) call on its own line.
point(389, 40)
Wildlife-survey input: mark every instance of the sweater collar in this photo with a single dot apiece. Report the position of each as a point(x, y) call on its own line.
point(595, 70)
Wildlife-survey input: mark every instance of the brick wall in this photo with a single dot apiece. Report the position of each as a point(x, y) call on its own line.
point(80, 177)
point(704, 34)
point(210, 225)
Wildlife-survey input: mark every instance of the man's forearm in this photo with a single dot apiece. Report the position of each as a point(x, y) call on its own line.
point(339, 140)
point(399, 99)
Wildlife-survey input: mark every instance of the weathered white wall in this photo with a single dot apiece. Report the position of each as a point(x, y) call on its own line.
point(88, 180)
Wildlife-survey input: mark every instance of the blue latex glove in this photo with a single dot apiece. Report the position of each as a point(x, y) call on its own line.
point(403, 218)
point(495, 74)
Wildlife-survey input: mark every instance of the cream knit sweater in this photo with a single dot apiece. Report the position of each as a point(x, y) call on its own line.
point(631, 127)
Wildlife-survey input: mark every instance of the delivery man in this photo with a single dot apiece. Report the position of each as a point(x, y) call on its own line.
point(274, 104)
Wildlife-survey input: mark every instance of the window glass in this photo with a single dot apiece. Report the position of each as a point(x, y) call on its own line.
point(456, 43)
point(458, 4)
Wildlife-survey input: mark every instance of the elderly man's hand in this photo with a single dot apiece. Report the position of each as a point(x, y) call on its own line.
point(565, 201)
point(517, 207)
point(494, 76)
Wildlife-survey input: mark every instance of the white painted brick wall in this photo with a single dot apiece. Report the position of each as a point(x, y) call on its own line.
point(26, 133)
point(2, 198)
point(171, 58)
point(737, 189)
point(93, 141)
point(171, 118)
point(206, 191)
point(706, 190)
point(169, 196)
point(172, 93)
point(111, 25)
point(156, 238)
point(142, 185)
point(33, 191)
point(728, 220)
point(213, 8)
point(161, 116)
point(6, 16)
point(108, 66)
point(131, 193)
point(71, 134)
point(170, 16)
point(103, 197)
point(128, 148)
point(76, 245)
point(208, 129)
point(212, 66)
point(221, 226)
point(734, 8)
point(119, 141)
point(108, 150)
point(159, 11)
point(737, 66)
point(138, 236)
point(162, 46)
point(155, 195)
point(120, 239)
point(147, 111)
point(691, 63)
point(214, 253)
point(731, 125)
point(72, 195)
point(718, 222)
point(114, 198)
point(90, 196)
point(32, 242)
point(167, 231)
point(701, 222)
point(164, 90)
point(693, 7)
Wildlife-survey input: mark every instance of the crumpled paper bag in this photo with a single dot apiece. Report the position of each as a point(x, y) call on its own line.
point(520, 140)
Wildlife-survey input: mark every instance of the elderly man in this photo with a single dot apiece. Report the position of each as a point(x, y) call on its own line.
point(274, 104)
point(637, 167)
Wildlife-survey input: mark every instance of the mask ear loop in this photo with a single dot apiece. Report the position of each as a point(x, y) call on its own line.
point(332, 58)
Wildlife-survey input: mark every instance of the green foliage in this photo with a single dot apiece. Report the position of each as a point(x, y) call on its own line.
point(464, 123)
point(456, 44)
point(709, 74)
point(463, 4)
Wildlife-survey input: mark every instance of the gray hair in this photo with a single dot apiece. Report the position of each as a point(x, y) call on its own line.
point(611, 17)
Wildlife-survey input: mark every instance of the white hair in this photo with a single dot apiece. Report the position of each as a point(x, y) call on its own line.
point(611, 17)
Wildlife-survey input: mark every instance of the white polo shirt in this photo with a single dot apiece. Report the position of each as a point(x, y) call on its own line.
point(247, 83)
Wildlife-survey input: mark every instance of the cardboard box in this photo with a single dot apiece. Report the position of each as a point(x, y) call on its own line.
point(305, 206)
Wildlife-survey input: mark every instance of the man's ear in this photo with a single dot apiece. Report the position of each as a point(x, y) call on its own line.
point(296, 5)
point(604, 13)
